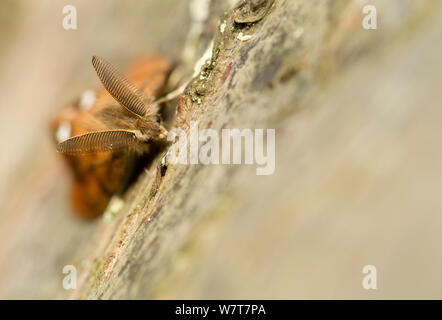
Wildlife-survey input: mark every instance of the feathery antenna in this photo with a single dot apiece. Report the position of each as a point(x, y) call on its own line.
point(120, 88)
point(99, 141)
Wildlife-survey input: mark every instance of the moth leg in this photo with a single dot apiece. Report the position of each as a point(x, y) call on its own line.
point(171, 95)
point(166, 108)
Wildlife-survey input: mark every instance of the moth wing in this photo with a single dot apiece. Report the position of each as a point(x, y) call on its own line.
point(120, 88)
point(98, 141)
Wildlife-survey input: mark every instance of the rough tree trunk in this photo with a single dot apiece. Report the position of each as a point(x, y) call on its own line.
point(357, 167)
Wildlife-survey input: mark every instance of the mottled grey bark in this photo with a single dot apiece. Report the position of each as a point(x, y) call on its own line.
point(351, 108)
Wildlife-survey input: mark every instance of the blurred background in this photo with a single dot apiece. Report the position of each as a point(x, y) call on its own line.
point(358, 177)
point(43, 68)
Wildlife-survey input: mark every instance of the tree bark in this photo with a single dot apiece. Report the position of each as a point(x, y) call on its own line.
point(352, 109)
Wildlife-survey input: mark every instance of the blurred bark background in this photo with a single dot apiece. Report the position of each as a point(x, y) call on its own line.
point(358, 165)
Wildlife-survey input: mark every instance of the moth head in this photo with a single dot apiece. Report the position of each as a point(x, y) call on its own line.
point(151, 129)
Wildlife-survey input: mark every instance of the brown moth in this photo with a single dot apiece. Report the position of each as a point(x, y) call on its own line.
point(131, 130)
point(106, 138)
